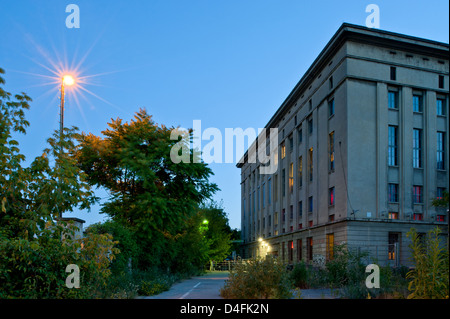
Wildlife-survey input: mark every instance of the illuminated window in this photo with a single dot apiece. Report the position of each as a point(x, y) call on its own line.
point(330, 246)
point(331, 151)
point(331, 196)
point(283, 151)
point(440, 218)
point(392, 245)
point(418, 216)
point(393, 215)
point(291, 178)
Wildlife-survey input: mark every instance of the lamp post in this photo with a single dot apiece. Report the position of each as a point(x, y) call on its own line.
point(66, 80)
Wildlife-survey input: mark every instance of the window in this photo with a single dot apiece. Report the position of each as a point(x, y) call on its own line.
point(254, 202)
point(417, 194)
point(299, 249)
point(440, 106)
point(309, 248)
point(440, 218)
point(283, 182)
point(417, 103)
point(283, 150)
point(330, 246)
point(392, 245)
point(418, 216)
point(440, 153)
point(263, 190)
point(310, 153)
point(283, 215)
point(258, 200)
point(393, 146)
point(331, 108)
point(291, 250)
point(331, 151)
point(300, 209)
point(300, 171)
point(330, 81)
point(291, 178)
point(300, 135)
point(417, 148)
point(310, 204)
point(441, 81)
point(440, 193)
point(310, 126)
point(275, 188)
point(393, 73)
point(291, 212)
point(291, 143)
point(310, 104)
point(393, 215)
point(269, 191)
point(331, 196)
point(393, 100)
point(393, 193)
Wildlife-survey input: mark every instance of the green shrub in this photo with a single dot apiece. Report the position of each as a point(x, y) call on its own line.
point(429, 277)
point(258, 279)
point(300, 275)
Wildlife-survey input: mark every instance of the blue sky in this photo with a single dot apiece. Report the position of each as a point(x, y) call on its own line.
point(227, 63)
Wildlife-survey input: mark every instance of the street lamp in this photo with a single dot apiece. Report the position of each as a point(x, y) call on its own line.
point(65, 80)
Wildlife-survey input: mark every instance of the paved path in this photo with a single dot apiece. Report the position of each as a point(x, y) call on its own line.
point(201, 287)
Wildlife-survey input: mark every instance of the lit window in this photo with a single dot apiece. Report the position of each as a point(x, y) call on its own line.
point(283, 151)
point(331, 196)
point(393, 215)
point(331, 151)
point(417, 216)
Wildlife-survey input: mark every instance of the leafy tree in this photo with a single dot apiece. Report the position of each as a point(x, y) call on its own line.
point(34, 247)
point(217, 232)
point(150, 194)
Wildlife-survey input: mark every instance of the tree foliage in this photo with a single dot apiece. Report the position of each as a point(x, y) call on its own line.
point(150, 194)
point(35, 247)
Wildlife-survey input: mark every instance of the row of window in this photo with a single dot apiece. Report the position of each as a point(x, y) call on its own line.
point(417, 153)
point(417, 103)
point(417, 193)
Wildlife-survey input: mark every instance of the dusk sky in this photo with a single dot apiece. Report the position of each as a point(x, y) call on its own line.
point(228, 63)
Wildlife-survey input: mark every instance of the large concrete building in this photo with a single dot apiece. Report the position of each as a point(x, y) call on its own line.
point(362, 152)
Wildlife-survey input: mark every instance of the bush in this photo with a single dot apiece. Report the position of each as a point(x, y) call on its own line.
point(258, 279)
point(429, 277)
point(299, 275)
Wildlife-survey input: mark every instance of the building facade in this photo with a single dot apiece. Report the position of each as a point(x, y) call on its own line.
point(362, 152)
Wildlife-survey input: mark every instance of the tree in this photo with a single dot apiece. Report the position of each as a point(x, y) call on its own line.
point(150, 194)
point(34, 247)
point(217, 233)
